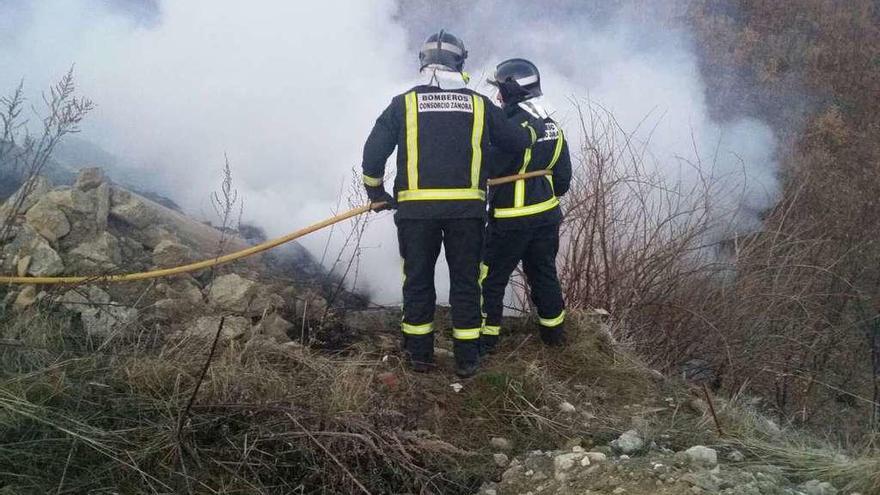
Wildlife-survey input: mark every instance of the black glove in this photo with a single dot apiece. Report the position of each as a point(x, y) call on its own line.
point(382, 196)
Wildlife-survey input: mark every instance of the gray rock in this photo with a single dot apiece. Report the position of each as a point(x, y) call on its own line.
point(72, 200)
point(311, 306)
point(231, 292)
point(816, 487)
point(566, 407)
point(169, 254)
point(628, 443)
point(735, 456)
point(48, 220)
point(102, 252)
point(596, 457)
point(501, 460)
point(25, 299)
point(233, 327)
point(102, 205)
point(134, 212)
point(500, 443)
point(89, 178)
point(45, 261)
point(275, 327)
point(699, 455)
point(99, 315)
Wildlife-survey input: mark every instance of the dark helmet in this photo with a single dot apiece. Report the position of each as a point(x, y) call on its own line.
point(517, 79)
point(443, 49)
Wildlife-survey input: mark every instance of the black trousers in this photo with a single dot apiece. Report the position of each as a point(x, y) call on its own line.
point(420, 241)
point(536, 247)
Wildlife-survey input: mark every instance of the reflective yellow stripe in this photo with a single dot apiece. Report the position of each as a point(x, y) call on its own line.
point(412, 141)
point(532, 132)
point(527, 210)
point(441, 194)
point(552, 322)
point(557, 151)
point(491, 330)
point(417, 329)
point(466, 333)
point(372, 181)
point(519, 187)
point(484, 272)
point(477, 141)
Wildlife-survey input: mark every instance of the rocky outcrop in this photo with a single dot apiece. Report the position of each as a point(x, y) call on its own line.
point(95, 228)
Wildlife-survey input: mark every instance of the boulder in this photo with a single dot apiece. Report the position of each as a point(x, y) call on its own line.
point(816, 487)
point(70, 199)
point(134, 212)
point(311, 306)
point(168, 254)
point(102, 205)
point(231, 292)
point(101, 252)
point(275, 327)
point(22, 265)
point(628, 443)
point(45, 261)
point(701, 456)
point(25, 299)
point(501, 460)
point(233, 327)
point(100, 317)
point(500, 443)
point(89, 178)
point(48, 220)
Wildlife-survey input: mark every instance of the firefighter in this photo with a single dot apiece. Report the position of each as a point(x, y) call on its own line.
point(524, 216)
point(441, 130)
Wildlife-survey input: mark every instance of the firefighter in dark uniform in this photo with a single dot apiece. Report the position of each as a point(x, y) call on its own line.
point(441, 130)
point(524, 216)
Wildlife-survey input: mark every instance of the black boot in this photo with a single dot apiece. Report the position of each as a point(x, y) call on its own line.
point(553, 336)
point(467, 357)
point(488, 344)
point(419, 350)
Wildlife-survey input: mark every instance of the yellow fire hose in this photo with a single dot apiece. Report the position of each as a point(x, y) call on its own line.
point(259, 248)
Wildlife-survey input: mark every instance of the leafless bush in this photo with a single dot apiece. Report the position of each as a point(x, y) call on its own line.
point(26, 155)
point(777, 312)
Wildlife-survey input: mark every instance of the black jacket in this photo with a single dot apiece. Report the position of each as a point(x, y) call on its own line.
point(441, 138)
point(530, 202)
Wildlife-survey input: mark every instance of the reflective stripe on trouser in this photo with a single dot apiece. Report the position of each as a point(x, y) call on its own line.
point(552, 322)
point(536, 247)
point(420, 241)
point(491, 329)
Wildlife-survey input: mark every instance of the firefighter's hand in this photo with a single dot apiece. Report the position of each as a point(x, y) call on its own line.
point(383, 197)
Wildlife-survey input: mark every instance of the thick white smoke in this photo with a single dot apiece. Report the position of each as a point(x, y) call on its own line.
point(290, 90)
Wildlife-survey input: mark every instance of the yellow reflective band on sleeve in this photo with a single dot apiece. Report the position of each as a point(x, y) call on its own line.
point(441, 195)
point(524, 211)
point(417, 329)
point(557, 151)
point(491, 330)
point(412, 141)
point(466, 333)
point(372, 181)
point(552, 322)
point(519, 187)
point(484, 272)
point(477, 141)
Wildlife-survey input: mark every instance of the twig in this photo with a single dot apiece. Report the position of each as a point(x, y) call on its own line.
point(327, 451)
point(712, 410)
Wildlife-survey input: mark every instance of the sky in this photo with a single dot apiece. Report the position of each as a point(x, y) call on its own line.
point(289, 91)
